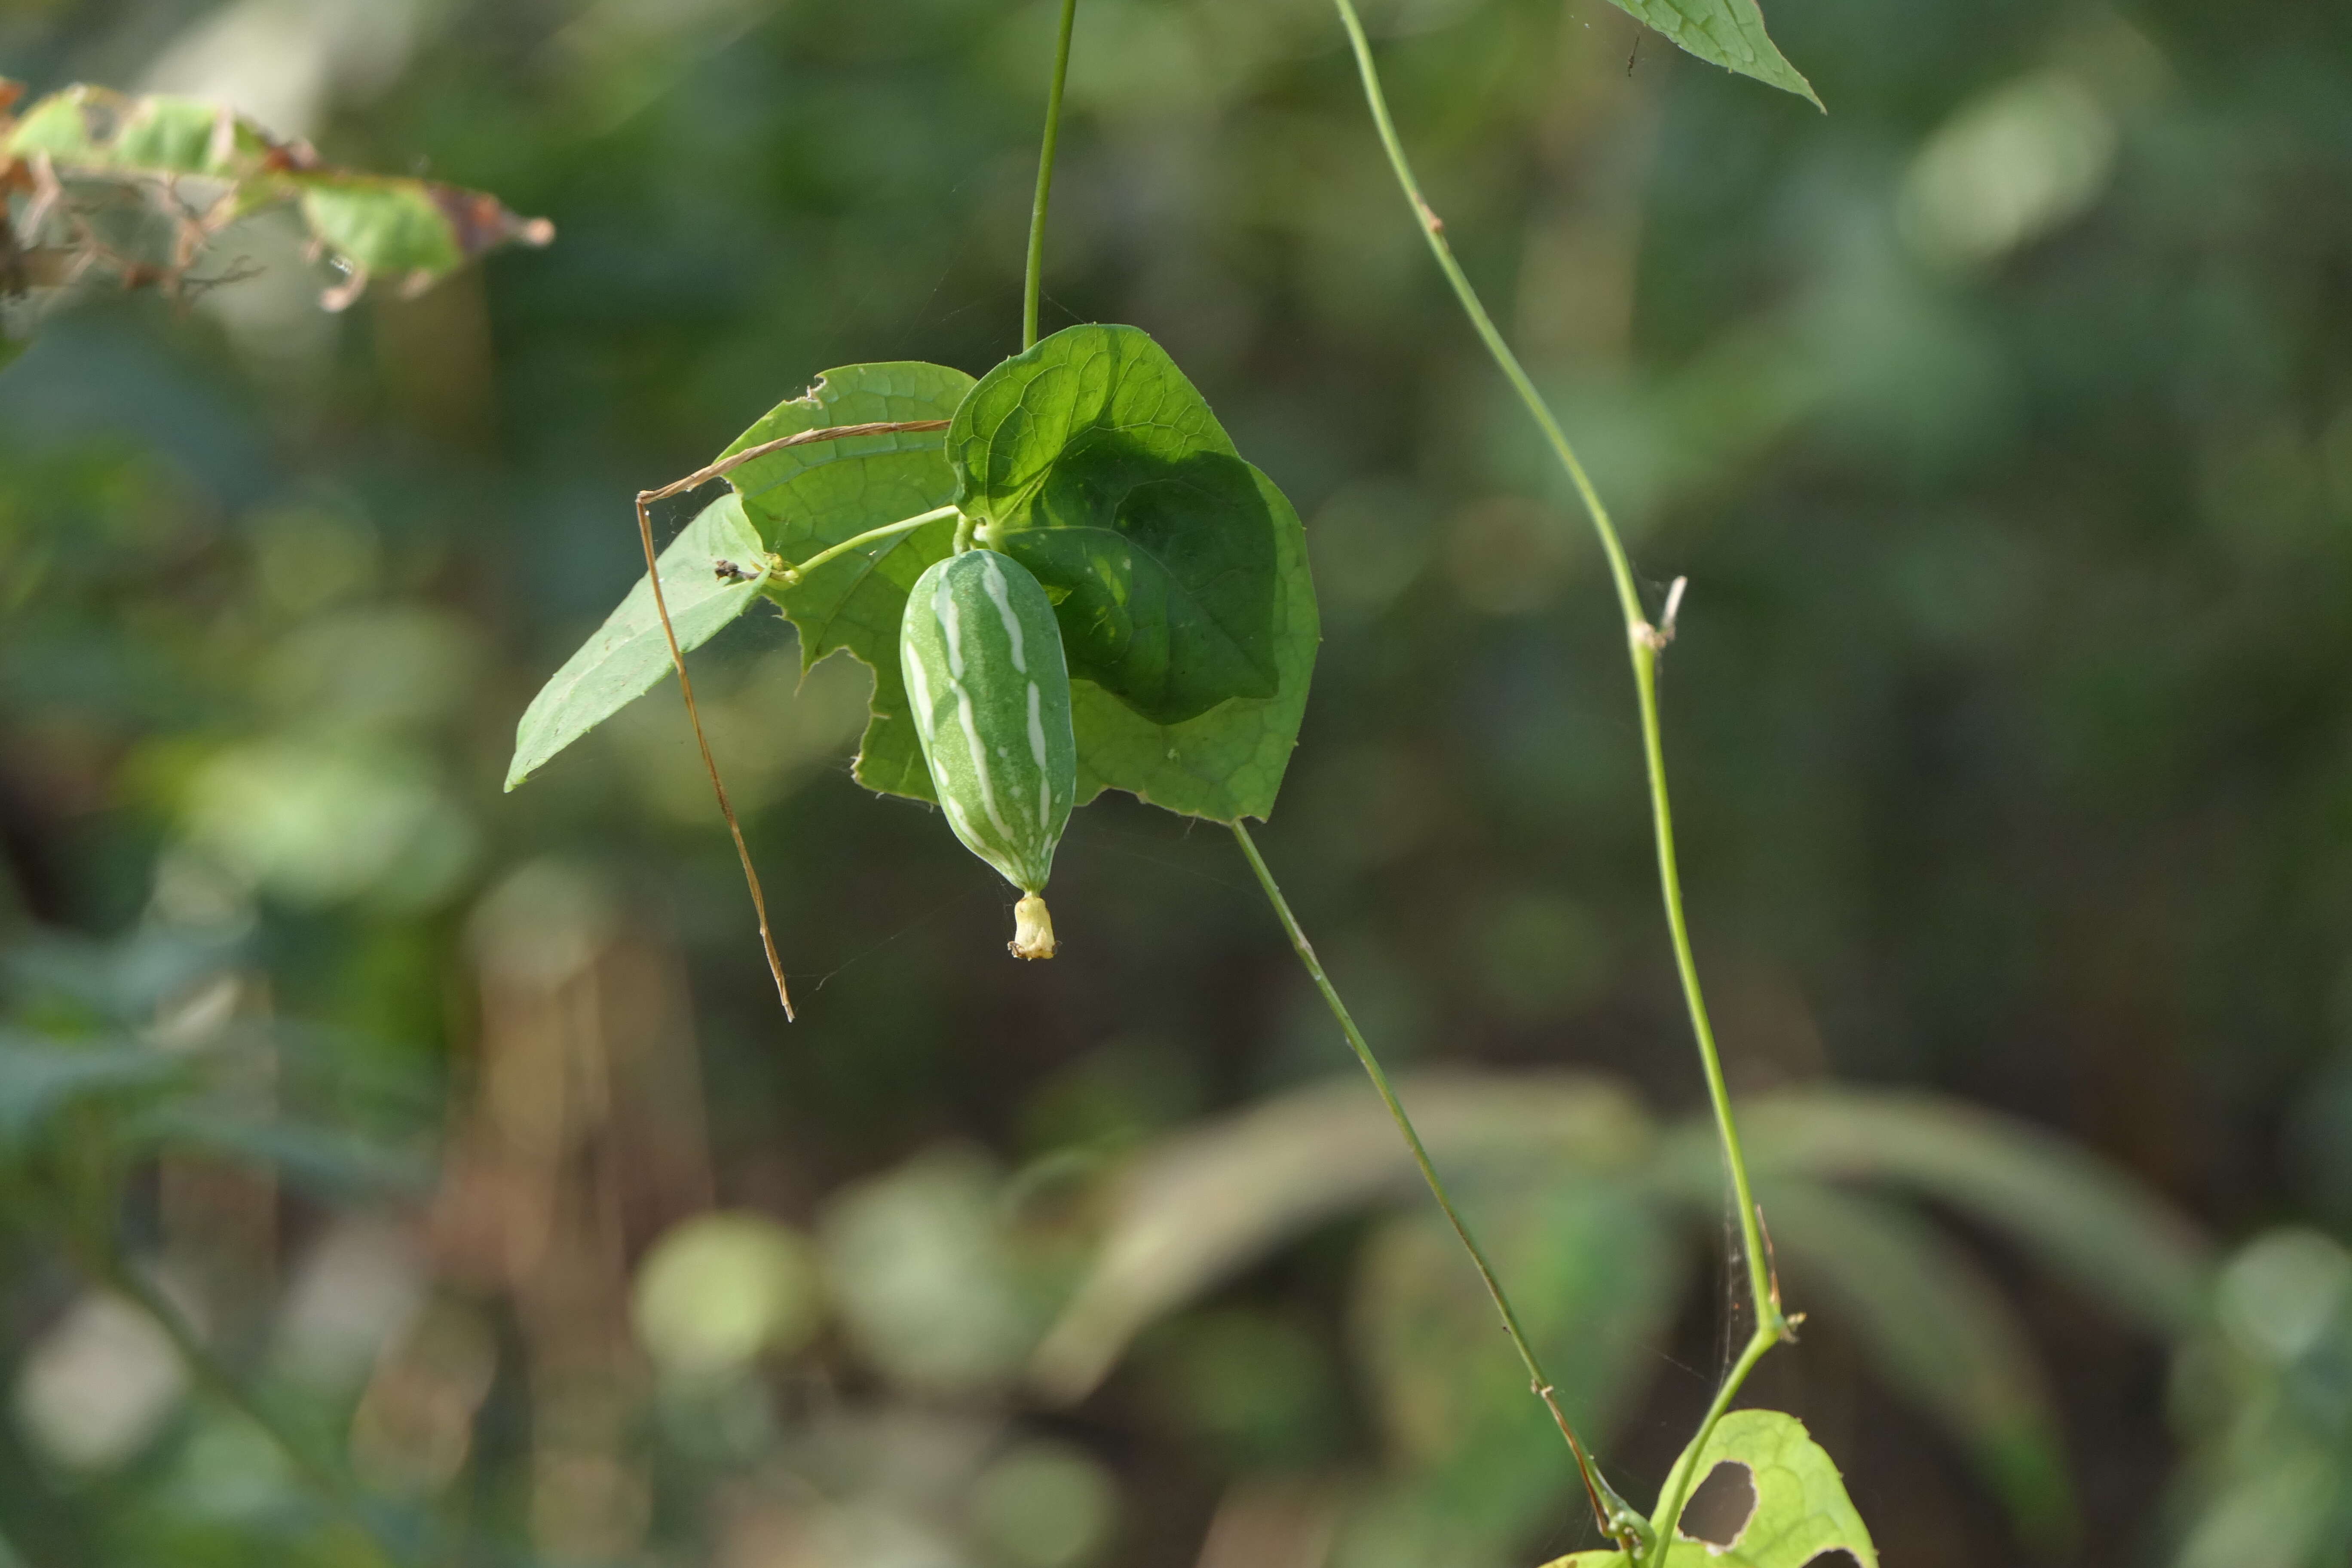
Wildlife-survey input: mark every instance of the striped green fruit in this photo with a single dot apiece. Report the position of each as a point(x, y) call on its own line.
point(989, 693)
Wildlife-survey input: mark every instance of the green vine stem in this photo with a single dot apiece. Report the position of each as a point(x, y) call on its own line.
point(871, 536)
point(1617, 1517)
point(1035, 271)
point(1643, 644)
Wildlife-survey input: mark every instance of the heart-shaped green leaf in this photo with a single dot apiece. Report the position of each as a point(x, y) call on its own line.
point(710, 574)
point(1224, 761)
point(1091, 460)
point(1228, 763)
point(804, 499)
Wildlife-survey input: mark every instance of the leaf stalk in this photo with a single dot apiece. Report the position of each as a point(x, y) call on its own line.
point(795, 574)
point(1616, 1517)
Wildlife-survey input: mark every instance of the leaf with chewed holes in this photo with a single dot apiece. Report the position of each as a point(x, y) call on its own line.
point(388, 225)
point(1768, 1497)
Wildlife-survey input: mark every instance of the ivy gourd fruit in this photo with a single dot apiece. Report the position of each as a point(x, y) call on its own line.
point(989, 691)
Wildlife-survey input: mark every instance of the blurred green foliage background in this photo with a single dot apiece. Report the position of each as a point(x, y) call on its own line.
point(2001, 420)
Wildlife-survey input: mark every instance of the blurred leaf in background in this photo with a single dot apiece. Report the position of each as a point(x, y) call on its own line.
point(2262, 1397)
point(1588, 1218)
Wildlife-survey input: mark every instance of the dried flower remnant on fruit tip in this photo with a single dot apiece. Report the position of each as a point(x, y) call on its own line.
point(1032, 929)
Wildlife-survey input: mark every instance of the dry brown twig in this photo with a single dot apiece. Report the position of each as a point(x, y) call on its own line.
point(694, 480)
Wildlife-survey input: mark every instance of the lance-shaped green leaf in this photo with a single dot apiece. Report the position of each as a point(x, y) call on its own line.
point(710, 574)
point(804, 499)
point(1729, 33)
point(1091, 460)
